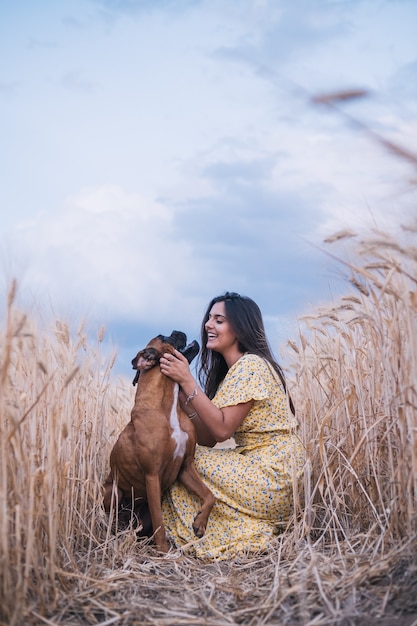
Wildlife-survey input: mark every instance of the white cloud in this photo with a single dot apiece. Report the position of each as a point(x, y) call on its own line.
point(110, 251)
point(153, 158)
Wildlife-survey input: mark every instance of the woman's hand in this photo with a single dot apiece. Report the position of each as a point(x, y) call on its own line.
point(211, 424)
point(176, 367)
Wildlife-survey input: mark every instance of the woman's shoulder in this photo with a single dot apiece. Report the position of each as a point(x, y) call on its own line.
point(247, 363)
point(260, 366)
point(250, 366)
point(246, 380)
point(253, 361)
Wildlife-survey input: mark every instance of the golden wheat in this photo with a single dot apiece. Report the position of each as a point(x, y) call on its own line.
point(349, 551)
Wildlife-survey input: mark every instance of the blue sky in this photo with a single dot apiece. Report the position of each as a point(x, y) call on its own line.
point(157, 153)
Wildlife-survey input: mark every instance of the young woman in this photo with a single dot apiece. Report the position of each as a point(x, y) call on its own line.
point(242, 395)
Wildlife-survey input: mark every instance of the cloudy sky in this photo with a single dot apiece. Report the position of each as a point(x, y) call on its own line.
point(155, 153)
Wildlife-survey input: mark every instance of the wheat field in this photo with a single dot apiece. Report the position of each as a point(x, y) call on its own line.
point(348, 557)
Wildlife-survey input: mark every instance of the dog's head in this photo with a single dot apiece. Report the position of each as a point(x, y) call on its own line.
point(149, 356)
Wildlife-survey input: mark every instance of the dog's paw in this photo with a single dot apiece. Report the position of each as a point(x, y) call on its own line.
point(199, 531)
point(199, 526)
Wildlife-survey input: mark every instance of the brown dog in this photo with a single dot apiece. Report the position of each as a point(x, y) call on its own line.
point(157, 446)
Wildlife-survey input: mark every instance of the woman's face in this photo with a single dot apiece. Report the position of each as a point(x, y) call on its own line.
point(220, 336)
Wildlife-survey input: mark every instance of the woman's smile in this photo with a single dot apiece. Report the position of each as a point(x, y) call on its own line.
point(220, 334)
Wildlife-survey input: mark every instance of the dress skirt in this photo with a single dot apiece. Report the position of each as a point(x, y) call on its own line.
point(254, 498)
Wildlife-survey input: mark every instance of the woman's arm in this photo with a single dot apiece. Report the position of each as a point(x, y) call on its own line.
point(204, 435)
point(211, 424)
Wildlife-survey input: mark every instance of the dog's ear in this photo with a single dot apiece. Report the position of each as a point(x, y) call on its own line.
point(145, 360)
point(179, 339)
point(190, 351)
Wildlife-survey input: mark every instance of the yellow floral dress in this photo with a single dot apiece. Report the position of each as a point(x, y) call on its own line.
point(253, 482)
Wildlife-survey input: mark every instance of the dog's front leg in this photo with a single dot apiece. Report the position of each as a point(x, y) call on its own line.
point(191, 479)
point(153, 496)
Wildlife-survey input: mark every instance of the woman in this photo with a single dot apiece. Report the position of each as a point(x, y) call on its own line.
point(244, 397)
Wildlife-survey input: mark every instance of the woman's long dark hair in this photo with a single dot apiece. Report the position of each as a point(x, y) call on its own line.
point(245, 318)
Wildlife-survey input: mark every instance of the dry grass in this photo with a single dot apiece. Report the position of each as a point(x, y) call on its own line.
point(350, 552)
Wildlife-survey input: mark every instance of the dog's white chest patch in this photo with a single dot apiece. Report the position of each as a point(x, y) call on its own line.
point(178, 435)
